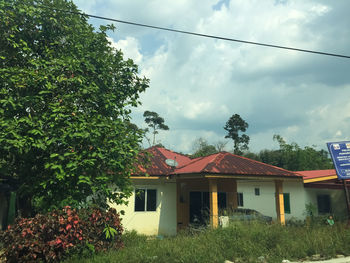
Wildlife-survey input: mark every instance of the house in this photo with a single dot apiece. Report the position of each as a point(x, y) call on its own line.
point(175, 191)
point(325, 192)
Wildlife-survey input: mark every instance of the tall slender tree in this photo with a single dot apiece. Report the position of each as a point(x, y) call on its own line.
point(156, 123)
point(234, 126)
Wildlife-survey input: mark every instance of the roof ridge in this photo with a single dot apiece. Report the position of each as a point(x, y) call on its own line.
point(192, 161)
point(197, 159)
point(219, 155)
point(157, 147)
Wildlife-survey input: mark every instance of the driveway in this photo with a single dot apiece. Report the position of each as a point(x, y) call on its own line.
point(334, 260)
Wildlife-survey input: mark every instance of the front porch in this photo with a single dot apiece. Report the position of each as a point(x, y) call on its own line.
point(215, 192)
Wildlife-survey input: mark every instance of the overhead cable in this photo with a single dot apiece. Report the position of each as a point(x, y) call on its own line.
point(199, 34)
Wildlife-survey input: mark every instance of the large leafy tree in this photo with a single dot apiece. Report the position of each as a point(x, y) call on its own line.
point(65, 97)
point(156, 123)
point(234, 126)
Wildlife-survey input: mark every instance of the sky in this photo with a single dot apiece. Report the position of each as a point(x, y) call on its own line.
point(197, 84)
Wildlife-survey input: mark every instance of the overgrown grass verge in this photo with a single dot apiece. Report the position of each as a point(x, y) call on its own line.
point(240, 242)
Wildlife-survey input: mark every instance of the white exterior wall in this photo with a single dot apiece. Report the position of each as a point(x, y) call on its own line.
point(337, 196)
point(163, 221)
point(297, 199)
point(265, 203)
point(159, 222)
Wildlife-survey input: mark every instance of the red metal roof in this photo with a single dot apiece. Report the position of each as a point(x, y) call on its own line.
point(316, 173)
point(219, 163)
point(157, 165)
point(228, 163)
point(321, 179)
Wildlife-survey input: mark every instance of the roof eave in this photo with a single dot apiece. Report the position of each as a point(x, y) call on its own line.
point(237, 176)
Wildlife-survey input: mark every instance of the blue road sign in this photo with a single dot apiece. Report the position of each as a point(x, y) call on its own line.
point(340, 153)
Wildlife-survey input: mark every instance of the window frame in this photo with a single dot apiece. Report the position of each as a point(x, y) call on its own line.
point(287, 211)
point(240, 199)
point(257, 191)
point(146, 201)
point(321, 198)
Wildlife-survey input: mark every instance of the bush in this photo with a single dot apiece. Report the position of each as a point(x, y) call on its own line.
point(51, 237)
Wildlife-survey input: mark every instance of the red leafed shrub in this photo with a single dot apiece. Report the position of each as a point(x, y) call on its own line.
point(51, 237)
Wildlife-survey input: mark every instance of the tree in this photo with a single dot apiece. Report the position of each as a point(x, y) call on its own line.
point(155, 122)
point(293, 157)
point(220, 146)
point(201, 147)
point(233, 126)
point(65, 98)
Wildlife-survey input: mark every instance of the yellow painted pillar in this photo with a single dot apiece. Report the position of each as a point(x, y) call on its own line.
point(232, 194)
point(213, 199)
point(179, 221)
point(182, 205)
point(279, 202)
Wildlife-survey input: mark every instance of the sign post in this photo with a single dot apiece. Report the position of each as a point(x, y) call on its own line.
point(340, 153)
point(347, 199)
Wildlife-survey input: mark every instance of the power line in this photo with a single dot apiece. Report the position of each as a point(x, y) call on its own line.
point(199, 34)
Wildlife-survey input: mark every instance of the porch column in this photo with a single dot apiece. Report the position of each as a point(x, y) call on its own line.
point(232, 194)
point(279, 202)
point(179, 223)
point(182, 205)
point(213, 199)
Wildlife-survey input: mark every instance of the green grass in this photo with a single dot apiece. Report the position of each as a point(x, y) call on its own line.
point(240, 242)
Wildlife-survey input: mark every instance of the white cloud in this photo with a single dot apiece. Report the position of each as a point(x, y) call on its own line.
point(194, 110)
point(130, 48)
point(320, 9)
point(198, 83)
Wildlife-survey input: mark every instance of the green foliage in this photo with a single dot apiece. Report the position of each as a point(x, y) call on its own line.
point(155, 122)
point(65, 97)
point(293, 157)
point(310, 210)
point(201, 147)
point(240, 242)
point(60, 233)
point(234, 126)
point(109, 231)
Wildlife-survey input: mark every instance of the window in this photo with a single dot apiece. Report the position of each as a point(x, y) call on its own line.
point(240, 199)
point(151, 200)
point(145, 199)
point(324, 204)
point(257, 191)
point(140, 197)
point(286, 200)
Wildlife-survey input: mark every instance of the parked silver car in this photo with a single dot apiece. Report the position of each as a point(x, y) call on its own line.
point(244, 214)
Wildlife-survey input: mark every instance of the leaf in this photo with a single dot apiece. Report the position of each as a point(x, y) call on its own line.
point(54, 65)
